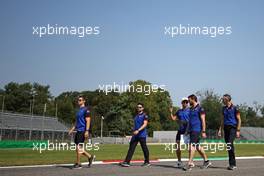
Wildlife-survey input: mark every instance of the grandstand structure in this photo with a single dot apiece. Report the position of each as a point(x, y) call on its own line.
point(16, 126)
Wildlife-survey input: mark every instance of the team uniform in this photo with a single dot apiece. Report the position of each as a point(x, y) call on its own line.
point(183, 116)
point(141, 137)
point(195, 129)
point(195, 123)
point(81, 125)
point(230, 129)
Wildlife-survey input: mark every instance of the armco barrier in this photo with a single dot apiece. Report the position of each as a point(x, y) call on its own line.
point(18, 144)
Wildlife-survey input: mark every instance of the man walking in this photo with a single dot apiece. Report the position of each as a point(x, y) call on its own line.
point(197, 126)
point(83, 128)
point(230, 123)
point(139, 135)
point(182, 116)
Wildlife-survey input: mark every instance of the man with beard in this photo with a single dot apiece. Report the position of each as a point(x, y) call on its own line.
point(139, 135)
point(197, 126)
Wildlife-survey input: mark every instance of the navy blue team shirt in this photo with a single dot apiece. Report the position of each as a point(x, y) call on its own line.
point(195, 123)
point(80, 119)
point(183, 115)
point(138, 122)
point(230, 114)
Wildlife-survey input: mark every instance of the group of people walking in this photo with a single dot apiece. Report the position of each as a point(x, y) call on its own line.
point(192, 123)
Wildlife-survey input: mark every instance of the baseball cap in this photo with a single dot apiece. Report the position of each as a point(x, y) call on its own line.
point(184, 99)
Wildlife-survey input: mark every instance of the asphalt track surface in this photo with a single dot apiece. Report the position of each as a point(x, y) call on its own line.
point(245, 167)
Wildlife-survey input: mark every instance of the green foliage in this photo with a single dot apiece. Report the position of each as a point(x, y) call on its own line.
point(212, 104)
point(118, 109)
point(18, 96)
point(25, 97)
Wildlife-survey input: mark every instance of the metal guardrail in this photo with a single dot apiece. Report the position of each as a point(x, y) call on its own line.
point(253, 133)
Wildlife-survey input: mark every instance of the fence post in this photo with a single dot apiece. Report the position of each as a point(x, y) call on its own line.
point(62, 136)
point(52, 138)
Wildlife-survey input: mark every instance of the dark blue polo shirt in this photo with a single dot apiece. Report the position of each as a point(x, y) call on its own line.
point(230, 114)
point(195, 123)
point(138, 122)
point(80, 118)
point(183, 116)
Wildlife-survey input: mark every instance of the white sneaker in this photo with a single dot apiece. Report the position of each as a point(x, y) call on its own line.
point(192, 165)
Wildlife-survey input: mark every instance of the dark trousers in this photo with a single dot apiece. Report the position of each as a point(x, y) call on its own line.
point(132, 146)
point(230, 135)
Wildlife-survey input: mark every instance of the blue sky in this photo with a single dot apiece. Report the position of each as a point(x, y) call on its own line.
point(132, 46)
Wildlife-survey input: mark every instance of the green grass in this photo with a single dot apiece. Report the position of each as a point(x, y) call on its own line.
point(10, 157)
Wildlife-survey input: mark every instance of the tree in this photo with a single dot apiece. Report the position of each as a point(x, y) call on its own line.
point(211, 102)
point(26, 97)
point(262, 111)
point(66, 110)
point(164, 102)
point(17, 97)
point(42, 96)
point(119, 108)
point(2, 92)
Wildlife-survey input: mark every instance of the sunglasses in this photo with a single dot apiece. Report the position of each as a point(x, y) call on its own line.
point(185, 101)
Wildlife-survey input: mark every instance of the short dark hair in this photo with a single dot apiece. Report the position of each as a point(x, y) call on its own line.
point(228, 96)
point(193, 97)
point(141, 104)
point(81, 96)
